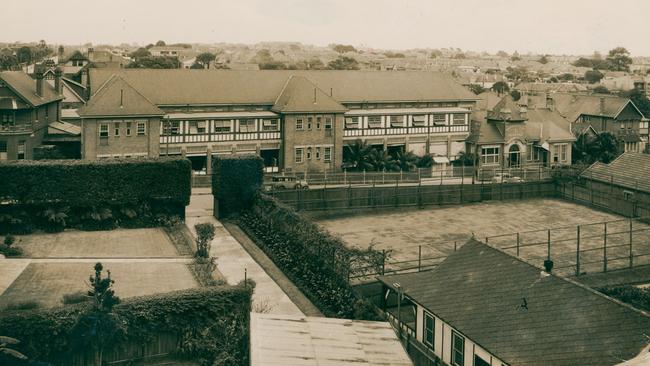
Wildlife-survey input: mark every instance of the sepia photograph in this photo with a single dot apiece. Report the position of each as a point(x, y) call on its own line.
point(325, 183)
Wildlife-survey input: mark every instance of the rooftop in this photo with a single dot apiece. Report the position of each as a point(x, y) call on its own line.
point(630, 170)
point(523, 315)
point(25, 87)
point(117, 98)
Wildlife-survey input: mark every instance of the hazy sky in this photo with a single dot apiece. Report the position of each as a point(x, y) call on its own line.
point(540, 26)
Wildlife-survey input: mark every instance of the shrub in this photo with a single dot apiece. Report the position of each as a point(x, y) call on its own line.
point(23, 305)
point(318, 263)
point(9, 240)
point(10, 251)
point(635, 296)
point(211, 323)
point(75, 298)
point(236, 179)
point(204, 235)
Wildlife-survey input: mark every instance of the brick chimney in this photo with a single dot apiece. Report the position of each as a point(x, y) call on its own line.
point(602, 105)
point(38, 72)
point(550, 103)
point(58, 86)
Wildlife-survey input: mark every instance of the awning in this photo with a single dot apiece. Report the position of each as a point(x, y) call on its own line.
point(441, 160)
point(545, 146)
point(63, 128)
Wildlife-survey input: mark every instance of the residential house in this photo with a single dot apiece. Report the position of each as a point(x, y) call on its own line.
point(30, 114)
point(483, 307)
point(511, 135)
point(296, 120)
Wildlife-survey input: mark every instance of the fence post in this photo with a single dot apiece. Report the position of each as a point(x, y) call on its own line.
point(349, 195)
point(401, 173)
point(455, 246)
point(324, 200)
point(517, 244)
point(383, 176)
point(372, 194)
point(578, 252)
point(420, 194)
point(631, 251)
point(364, 176)
point(486, 239)
point(419, 257)
point(605, 249)
point(548, 245)
point(383, 262)
point(299, 199)
point(442, 171)
point(396, 192)
point(345, 176)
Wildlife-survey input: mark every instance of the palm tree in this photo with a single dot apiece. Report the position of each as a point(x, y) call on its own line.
point(406, 161)
point(358, 156)
point(4, 347)
point(382, 160)
point(465, 158)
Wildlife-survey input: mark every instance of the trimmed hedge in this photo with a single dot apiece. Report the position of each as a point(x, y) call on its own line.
point(94, 183)
point(211, 322)
point(236, 179)
point(318, 263)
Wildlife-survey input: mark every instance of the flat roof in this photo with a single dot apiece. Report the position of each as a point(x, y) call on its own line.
point(279, 340)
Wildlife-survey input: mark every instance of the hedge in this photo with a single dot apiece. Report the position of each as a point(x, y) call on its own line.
point(236, 179)
point(92, 183)
point(91, 195)
point(318, 263)
point(212, 322)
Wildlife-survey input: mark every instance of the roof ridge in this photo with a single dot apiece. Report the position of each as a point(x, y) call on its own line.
point(284, 87)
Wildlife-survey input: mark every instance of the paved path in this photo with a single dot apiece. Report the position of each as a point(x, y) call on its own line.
point(232, 260)
point(10, 269)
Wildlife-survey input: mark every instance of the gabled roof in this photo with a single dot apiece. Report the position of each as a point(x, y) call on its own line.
point(553, 126)
point(25, 87)
point(117, 98)
point(480, 291)
point(507, 110)
point(185, 86)
point(630, 170)
point(571, 106)
point(301, 95)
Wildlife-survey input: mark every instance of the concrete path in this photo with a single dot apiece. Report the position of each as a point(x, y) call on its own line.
point(233, 260)
point(10, 269)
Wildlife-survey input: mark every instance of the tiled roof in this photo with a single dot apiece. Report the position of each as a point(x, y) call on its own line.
point(301, 95)
point(25, 87)
point(630, 170)
point(554, 127)
point(507, 110)
point(571, 106)
point(480, 291)
point(183, 86)
point(117, 98)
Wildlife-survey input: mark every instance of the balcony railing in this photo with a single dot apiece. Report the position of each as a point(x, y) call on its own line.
point(219, 137)
point(11, 129)
point(404, 130)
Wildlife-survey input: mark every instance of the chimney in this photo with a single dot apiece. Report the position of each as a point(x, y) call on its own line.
point(602, 105)
point(550, 103)
point(91, 54)
point(121, 98)
point(58, 87)
point(38, 71)
point(314, 95)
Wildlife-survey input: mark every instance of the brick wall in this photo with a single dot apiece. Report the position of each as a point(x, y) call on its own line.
point(121, 144)
point(312, 139)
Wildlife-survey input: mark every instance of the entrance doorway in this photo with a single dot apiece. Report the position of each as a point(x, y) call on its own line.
point(514, 155)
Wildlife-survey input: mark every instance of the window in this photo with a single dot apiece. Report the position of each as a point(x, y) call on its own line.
point(563, 152)
point(397, 121)
point(6, 120)
point(47, 113)
point(328, 123)
point(221, 126)
point(429, 329)
point(318, 122)
point(318, 153)
point(309, 121)
point(270, 125)
point(419, 120)
point(299, 124)
point(351, 122)
point(299, 152)
point(529, 152)
point(439, 120)
point(457, 349)
point(141, 128)
point(490, 155)
point(21, 150)
point(374, 122)
point(246, 125)
point(197, 127)
point(309, 153)
point(327, 154)
point(128, 128)
point(3, 150)
point(169, 128)
point(459, 119)
point(644, 124)
point(103, 130)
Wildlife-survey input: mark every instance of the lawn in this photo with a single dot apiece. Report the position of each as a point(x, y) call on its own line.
point(120, 243)
point(47, 282)
point(435, 231)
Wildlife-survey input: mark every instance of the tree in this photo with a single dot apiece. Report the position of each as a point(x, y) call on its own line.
point(343, 63)
point(151, 62)
point(639, 99)
point(566, 77)
point(603, 147)
point(98, 327)
point(518, 73)
point(593, 76)
point(139, 53)
point(619, 59)
point(502, 54)
point(204, 236)
point(5, 348)
point(24, 54)
point(436, 53)
point(600, 89)
point(381, 160)
point(543, 60)
point(464, 159)
point(391, 54)
point(8, 62)
point(342, 48)
point(160, 44)
point(406, 161)
point(61, 50)
point(357, 156)
point(476, 88)
point(515, 94)
point(500, 87)
point(205, 58)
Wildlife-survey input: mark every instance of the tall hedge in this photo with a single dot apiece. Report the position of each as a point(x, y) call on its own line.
point(236, 179)
point(317, 262)
point(91, 183)
point(212, 322)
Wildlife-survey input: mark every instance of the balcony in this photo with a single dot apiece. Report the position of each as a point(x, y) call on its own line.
point(17, 130)
point(220, 137)
point(404, 130)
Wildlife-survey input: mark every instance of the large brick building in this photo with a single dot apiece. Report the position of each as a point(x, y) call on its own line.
point(296, 120)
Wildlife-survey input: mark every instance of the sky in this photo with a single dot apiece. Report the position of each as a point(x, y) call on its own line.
point(577, 27)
